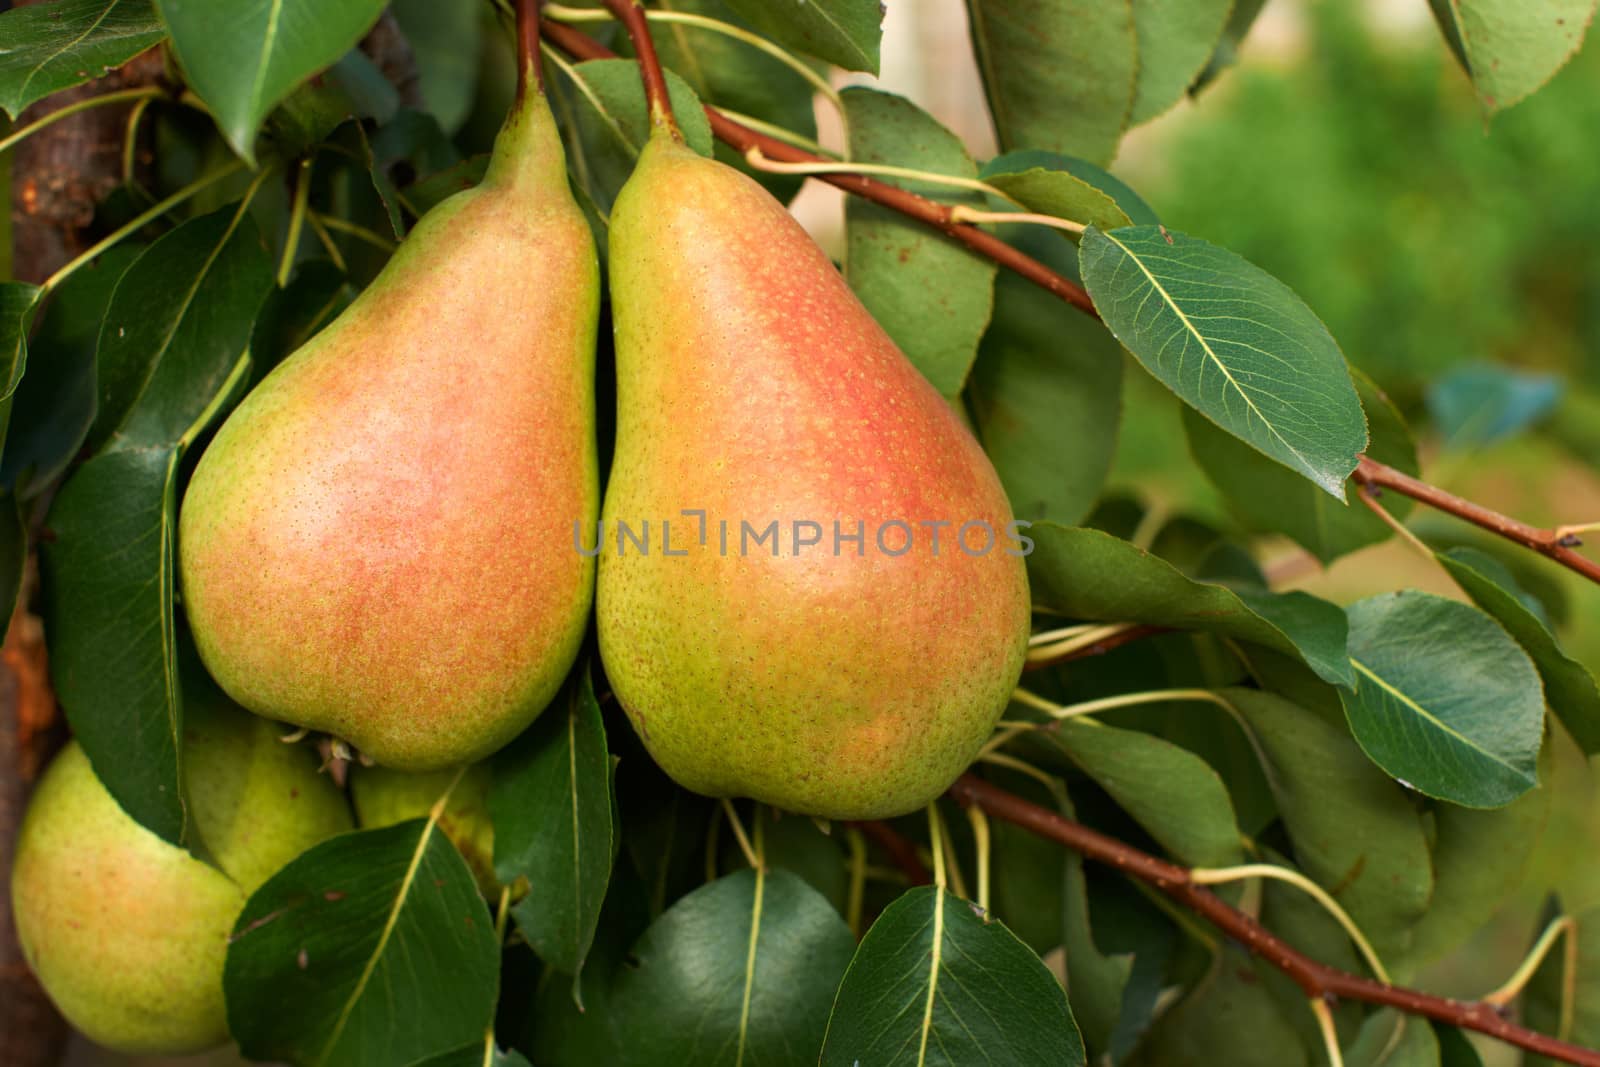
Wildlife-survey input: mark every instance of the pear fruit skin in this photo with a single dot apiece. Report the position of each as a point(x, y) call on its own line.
point(752, 384)
point(384, 797)
point(128, 933)
point(378, 543)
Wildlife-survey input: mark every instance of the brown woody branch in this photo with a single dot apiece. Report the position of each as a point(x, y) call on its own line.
point(1317, 980)
point(939, 216)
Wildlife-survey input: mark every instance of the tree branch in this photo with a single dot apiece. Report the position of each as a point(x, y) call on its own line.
point(1318, 980)
point(943, 218)
point(1551, 543)
point(902, 853)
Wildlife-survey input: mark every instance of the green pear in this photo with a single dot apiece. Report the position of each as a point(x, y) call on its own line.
point(128, 933)
point(823, 674)
point(383, 797)
point(378, 543)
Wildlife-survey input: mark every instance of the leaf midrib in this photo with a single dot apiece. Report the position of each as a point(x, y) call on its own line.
point(1434, 719)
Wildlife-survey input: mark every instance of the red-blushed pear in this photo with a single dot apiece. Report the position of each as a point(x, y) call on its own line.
point(824, 673)
point(128, 933)
point(379, 541)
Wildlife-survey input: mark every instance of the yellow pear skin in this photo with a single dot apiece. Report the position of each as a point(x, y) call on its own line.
point(378, 543)
point(128, 933)
point(833, 679)
point(384, 797)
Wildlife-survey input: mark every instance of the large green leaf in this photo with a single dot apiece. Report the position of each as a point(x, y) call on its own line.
point(1088, 574)
point(739, 973)
point(551, 806)
point(1270, 497)
point(378, 940)
point(242, 58)
point(173, 355)
point(1176, 39)
point(1569, 688)
point(1510, 47)
point(1444, 700)
point(1354, 831)
point(1233, 342)
point(1046, 392)
point(933, 982)
point(1229, 1017)
point(931, 295)
point(51, 46)
point(55, 401)
point(1173, 794)
point(843, 32)
point(1059, 74)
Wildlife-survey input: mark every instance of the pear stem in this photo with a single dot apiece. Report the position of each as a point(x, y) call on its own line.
point(632, 17)
point(530, 70)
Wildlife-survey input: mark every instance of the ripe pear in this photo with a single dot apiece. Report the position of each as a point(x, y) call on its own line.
point(378, 542)
point(126, 932)
point(384, 797)
point(841, 679)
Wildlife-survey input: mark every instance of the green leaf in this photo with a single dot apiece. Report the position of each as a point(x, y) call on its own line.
point(1059, 74)
point(1046, 392)
point(1269, 497)
point(1479, 859)
point(55, 402)
point(1226, 53)
point(1555, 986)
point(1354, 831)
point(1454, 1048)
point(13, 555)
point(291, 316)
point(52, 46)
point(1229, 1017)
point(1176, 39)
point(447, 41)
point(934, 983)
point(1054, 191)
point(846, 33)
point(1390, 1039)
point(931, 295)
point(1510, 48)
point(1444, 700)
point(1569, 687)
point(551, 807)
point(242, 59)
point(1478, 404)
point(1233, 342)
point(1099, 980)
point(1018, 168)
point(179, 318)
point(475, 1055)
point(741, 971)
point(173, 356)
point(353, 88)
point(1087, 574)
point(1173, 794)
point(380, 942)
point(602, 104)
point(18, 300)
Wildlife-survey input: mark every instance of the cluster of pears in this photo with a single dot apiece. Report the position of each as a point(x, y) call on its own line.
point(382, 543)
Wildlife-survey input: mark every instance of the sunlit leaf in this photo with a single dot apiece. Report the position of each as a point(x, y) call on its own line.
point(1176, 39)
point(843, 32)
point(1510, 48)
point(51, 46)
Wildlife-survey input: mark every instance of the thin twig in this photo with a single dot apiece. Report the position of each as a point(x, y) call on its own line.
point(1317, 980)
point(902, 853)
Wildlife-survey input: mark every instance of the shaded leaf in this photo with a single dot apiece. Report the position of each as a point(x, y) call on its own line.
point(1233, 342)
point(1176, 39)
point(55, 402)
point(1510, 48)
point(475, 1055)
point(1087, 574)
point(739, 972)
point(1270, 497)
point(934, 983)
point(1353, 829)
point(846, 33)
point(18, 301)
point(52, 46)
point(353, 88)
point(1454, 1048)
point(1173, 794)
point(1477, 405)
point(930, 294)
point(243, 59)
point(1059, 74)
point(292, 315)
point(1569, 687)
point(1228, 1018)
point(381, 943)
point(1444, 699)
point(551, 808)
point(446, 40)
point(13, 554)
point(1554, 986)
point(1046, 392)
point(1390, 1039)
